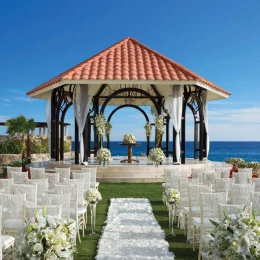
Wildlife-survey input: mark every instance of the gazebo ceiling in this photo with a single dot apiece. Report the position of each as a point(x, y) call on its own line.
point(129, 62)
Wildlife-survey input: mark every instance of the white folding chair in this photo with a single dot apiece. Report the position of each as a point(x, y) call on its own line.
point(255, 199)
point(64, 173)
point(30, 190)
point(256, 181)
point(240, 193)
point(13, 213)
point(7, 242)
point(19, 177)
point(85, 176)
point(42, 187)
point(93, 176)
point(37, 173)
point(58, 199)
point(242, 177)
point(208, 210)
point(193, 210)
point(77, 213)
point(53, 179)
point(209, 178)
point(6, 186)
point(13, 169)
point(198, 173)
point(224, 172)
point(232, 209)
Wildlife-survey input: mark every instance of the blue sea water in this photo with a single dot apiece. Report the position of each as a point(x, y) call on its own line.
point(219, 151)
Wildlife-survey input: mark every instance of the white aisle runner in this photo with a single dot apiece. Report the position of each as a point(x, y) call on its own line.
point(132, 232)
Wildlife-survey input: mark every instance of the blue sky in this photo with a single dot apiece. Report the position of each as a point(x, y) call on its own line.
point(220, 40)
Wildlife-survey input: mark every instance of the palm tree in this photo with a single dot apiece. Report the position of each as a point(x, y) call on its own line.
point(22, 127)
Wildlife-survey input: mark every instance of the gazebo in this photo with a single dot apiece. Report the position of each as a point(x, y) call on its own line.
point(128, 74)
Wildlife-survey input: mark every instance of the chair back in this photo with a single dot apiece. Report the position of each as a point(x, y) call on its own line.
point(80, 183)
point(30, 190)
point(255, 199)
point(64, 173)
point(51, 210)
point(42, 185)
point(193, 193)
point(85, 176)
point(223, 184)
point(58, 199)
point(53, 179)
point(37, 173)
point(13, 206)
point(241, 177)
point(19, 177)
point(198, 173)
point(224, 172)
point(209, 177)
point(240, 193)
point(209, 204)
point(93, 175)
point(13, 169)
point(256, 181)
point(232, 209)
point(6, 186)
point(249, 171)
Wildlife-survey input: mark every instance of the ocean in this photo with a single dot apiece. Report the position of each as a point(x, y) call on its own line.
point(219, 151)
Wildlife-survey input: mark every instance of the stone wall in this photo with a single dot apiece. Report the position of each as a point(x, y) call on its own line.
point(41, 157)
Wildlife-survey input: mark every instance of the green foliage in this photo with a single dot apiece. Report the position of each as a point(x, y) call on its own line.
point(11, 146)
point(67, 146)
point(19, 163)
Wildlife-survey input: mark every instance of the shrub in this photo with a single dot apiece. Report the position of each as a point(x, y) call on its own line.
point(11, 146)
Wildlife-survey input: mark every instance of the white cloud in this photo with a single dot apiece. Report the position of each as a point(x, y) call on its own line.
point(26, 99)
point(242, 115)
point(3, 118)
point(17, 91)
point(5, 99)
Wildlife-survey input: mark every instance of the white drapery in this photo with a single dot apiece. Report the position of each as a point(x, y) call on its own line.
point(173, 103)
point(81, 102)
point(48, 119)
point(205, 112)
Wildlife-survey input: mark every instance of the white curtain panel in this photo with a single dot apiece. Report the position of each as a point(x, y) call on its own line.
point(173, 103)
point(81, 101)
point(48, 118)
point(205, 112)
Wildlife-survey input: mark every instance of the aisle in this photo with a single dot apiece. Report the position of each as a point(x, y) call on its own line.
point(132, 232)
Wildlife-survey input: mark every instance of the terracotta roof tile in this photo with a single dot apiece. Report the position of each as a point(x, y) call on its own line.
point(128, 60)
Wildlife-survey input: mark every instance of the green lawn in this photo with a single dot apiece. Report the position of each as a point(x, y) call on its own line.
point(152, 191)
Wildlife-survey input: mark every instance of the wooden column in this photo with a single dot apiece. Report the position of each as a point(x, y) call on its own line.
point(147, 145)
point(174, 157)
point(183, 138)
point(76, 142)
point(167, 137)
point(96, 111)
point(62, 139)
point(196, 140)
point(53, 129)
point(201, 138)
point(204, 142)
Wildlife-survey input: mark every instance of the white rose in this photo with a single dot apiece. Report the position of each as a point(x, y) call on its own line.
point(38, 247)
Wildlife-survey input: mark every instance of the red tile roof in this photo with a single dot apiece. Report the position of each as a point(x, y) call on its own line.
point(128, 60)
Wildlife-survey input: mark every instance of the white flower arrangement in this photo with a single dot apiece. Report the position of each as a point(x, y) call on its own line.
point(93, 196)
point(46, 237)
point(148, 129)
point(108, 128)
point(236, 237)
point(103, 154)
point(172, 194)
point(129, 139)
point(100, 123)
point(159, 124)
point(156, 155)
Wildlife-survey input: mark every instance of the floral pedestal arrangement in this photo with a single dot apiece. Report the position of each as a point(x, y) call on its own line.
point(236, 237)
point(156, 155)
point(129, 139)
point(46, 237)
point(172, 197)
point(92, 197)
point(103, 156)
